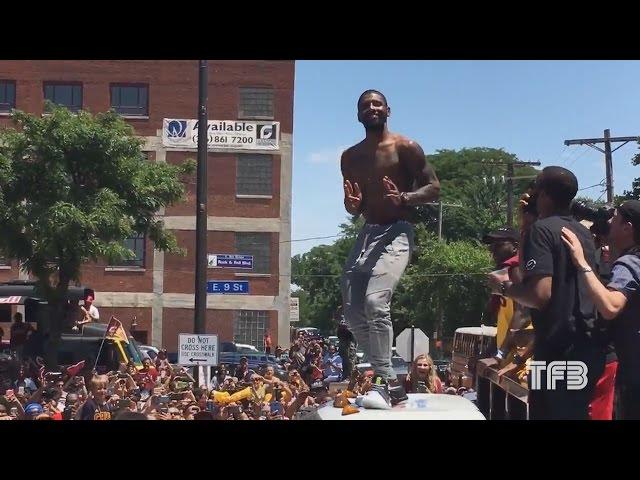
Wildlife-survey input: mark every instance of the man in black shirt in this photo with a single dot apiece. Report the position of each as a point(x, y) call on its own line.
point(563, 315)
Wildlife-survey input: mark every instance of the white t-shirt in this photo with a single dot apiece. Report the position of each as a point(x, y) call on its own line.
point(93, 311)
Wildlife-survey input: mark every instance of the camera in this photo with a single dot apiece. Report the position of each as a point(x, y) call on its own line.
point(422, 387)
point(277, 392)
point(531, 206)
point(598, 215)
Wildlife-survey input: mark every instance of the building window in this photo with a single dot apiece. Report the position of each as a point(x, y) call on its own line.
point(7, 95)
point(130, 100)
point(258, 245)
point(64, 94)
point(137, 245)
point(256, 102)
point(254, 175)
point(249, 327)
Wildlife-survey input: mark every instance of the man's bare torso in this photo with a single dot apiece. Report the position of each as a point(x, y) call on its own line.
point(367, 164)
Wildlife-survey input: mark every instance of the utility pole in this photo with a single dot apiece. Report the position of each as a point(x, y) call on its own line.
point(509, 180)
point(607, 139)
point(201, 203)
point(200, 310)
point(440, 205)
point(440, 215)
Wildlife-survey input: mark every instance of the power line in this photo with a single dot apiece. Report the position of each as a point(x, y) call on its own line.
point(607, 140)
point(576, 158)
point(310, 238)
point(601, 184)
point(250, 274)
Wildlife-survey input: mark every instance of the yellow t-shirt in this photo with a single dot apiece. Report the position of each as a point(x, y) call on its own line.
point(505, 314)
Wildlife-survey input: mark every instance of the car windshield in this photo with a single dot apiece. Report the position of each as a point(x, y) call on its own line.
point(152, 354)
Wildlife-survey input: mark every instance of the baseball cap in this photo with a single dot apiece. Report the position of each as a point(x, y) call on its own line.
point(630, 210)
point(504, 233)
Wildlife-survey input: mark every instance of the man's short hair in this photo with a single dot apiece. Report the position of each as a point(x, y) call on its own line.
point(560, 184)
point(367, 92)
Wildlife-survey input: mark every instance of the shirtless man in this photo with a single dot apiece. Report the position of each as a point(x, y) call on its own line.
point(384, 176)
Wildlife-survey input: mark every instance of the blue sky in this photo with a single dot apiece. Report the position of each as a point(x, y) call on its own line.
point(526, 107)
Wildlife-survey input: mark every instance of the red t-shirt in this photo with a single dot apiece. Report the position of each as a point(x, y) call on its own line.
point(148, 378)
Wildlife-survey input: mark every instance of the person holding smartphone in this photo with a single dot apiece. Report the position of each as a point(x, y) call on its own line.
point(11, 403)
point(24, 383)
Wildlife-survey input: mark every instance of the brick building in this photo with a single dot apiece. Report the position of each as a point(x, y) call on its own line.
point(249, 190)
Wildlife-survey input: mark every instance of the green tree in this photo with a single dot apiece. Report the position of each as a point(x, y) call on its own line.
point(72, 188)
point(469, 177)
point(318, 273)
point(634, 193)
point(446, 278)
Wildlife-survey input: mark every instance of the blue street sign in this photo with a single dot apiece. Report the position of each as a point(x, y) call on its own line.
point(228, 287)
point(230, 261)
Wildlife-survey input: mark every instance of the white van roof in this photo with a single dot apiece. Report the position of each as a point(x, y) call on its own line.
point(420, 406)
point(483, 330)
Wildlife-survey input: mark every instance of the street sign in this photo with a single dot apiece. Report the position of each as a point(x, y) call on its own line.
point(221, 260)
point(294, 309)
point(197, 349)
point(224, 287)
point(420, 344)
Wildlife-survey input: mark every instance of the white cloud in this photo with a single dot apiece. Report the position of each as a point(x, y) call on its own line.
point(328, 155)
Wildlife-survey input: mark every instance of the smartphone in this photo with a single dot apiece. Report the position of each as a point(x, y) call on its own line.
point(275, 407)
point(164, 399)
point(123, 403)
point(20, 390)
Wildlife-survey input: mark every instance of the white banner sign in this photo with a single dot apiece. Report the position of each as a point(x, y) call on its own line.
point(294, 310)
point(222, 134)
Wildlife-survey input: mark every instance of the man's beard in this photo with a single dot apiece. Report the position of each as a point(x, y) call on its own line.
point(375, 125)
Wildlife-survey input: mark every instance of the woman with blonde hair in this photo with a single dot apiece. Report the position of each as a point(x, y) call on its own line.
point(423, 377)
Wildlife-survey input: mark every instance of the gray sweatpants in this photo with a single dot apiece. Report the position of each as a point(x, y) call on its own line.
point(373, 269)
